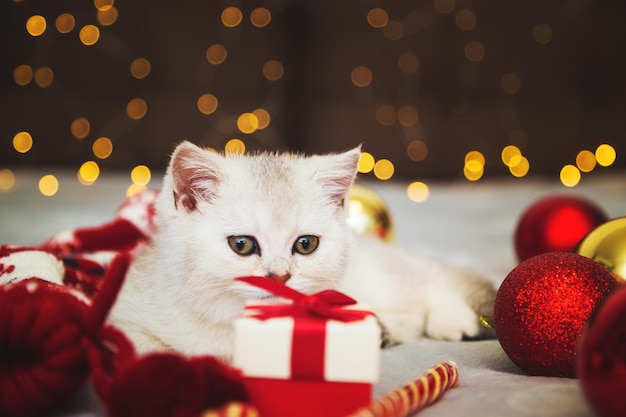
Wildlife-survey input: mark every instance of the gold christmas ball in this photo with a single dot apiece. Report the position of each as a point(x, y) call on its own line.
point(606, 244)
point(368, 213)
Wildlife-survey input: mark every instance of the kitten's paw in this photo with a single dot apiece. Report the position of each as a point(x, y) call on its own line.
point(452, 323)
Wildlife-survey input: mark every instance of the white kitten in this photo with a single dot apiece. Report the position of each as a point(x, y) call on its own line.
point(282, 216)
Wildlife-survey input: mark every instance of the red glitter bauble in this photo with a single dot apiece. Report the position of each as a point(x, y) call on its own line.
point(555, 224)
point(602, 357)
point(542, 306)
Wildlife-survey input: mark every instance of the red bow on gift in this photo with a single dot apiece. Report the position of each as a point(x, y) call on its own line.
point(327, 304)
point(310, 314)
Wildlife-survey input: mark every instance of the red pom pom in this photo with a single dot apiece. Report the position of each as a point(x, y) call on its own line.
point(602, 357)
point(555, 224)
point(541, 307)
point(43, 360)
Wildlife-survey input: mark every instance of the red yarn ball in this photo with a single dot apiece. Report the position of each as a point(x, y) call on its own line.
point(542, 306)
point(555, 224)
point(42, 356)
point(602, 357)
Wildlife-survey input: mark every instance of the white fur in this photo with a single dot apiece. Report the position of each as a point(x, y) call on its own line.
point(180, 293)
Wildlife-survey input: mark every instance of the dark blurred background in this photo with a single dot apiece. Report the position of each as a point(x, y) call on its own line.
point(420, 83)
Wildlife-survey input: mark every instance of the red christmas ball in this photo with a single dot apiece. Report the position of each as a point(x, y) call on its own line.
point(555, 224)
point(542, 306)
point(602, 357)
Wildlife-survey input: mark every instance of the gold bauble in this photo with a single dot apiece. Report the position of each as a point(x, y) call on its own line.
point(368, 213)
point(606, 244)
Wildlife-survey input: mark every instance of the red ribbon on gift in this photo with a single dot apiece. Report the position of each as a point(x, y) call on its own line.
point(310, 313)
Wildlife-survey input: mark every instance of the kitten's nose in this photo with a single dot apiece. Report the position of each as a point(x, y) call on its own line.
point(279, 278)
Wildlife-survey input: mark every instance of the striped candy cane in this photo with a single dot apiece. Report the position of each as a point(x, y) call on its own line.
point(233, 409)
point(415, 395)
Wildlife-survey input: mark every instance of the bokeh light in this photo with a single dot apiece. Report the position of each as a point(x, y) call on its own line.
point(260, 17)
point(417, 150)
point(48, 185)
point(408, 62)
point(519, 166)
point(134, 189)
point(140, 68)
point(366, 163)
point(418, 191)
point(408, 116)
point(377, 17)
point(23, 74)
point(65, 23)
point(383, 169)
point(586, 161)
point(207, 103)
point(247, 123)
point(394, 31)
point(107, 17)
point(605, 155)
point(474, 51)
point(361, 76)
point(136, 108)
point(263, 118)
point(511, 83)
point(231, 17)
point(465, 19)
point(22, 142)
point(7, 180)
point(273, 70)
point(140, 175)
point(386, 115)
point(444, 6)
point(542, 33)
point(102, 148)
point(89, 35)
point(474, 167)
point(80, 127)
point(509, 152)
point(102, 5)
point(216, 54)
point(570, 176)
point(36, 25)
point(43, 76)
point(235, 146)
point(88, 173)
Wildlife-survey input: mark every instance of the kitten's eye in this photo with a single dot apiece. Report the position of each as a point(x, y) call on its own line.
point(243, 245)
point(306, 244)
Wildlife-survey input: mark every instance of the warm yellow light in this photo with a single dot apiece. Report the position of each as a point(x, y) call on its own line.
point(65, 23)
point(586, 161)
point(519, 166)
point(263, 118)
point(383, 169)
point(36, 25)
point(207, 103)
point(103, 4)
point(260, 17)
point(102, 148)
point(472, 174)
point(418, 192)
point(273, 70)
point(542, 33)
point(511, 83)
point(140, 68)
point(88, 173)
point(474, 51)
point(417, 150)
point(407, 116)
point(80, 127)
point(136, 108)
point(89, 35)
point(140, 175)
point(386, 115)
point(22, 142)
point(394, 31)
point(231, 17)
point(48, 185)
point(23, 74)
point(43, 76)
point(508, 152)
point(235, 146)
point(361, 76)
point(134, 189)
point(366, 162)
point(216, 54)
point(444, 6)
point(570, 176)
point(408, 62)
point(7, 180)
point(107, 17)
point(377, 17)
point(474, 166)
point(605, 155)
point(247, 123)
point(465, 20)
point(475, 156)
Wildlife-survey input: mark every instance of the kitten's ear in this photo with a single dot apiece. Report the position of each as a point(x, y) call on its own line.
point(195, 175)
point(337, 173)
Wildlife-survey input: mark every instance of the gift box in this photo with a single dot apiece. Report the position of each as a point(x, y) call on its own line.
point(309, 356)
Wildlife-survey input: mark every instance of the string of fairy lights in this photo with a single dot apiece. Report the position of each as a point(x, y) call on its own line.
point(405, 116)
